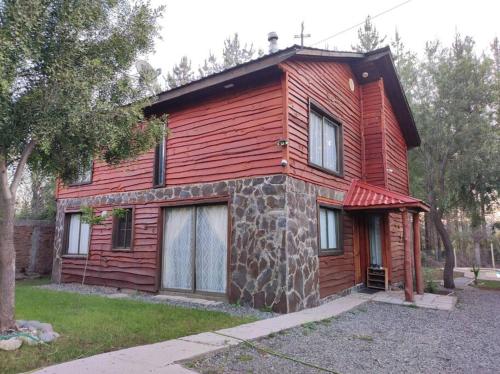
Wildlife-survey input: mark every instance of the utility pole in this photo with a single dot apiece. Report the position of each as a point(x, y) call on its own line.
point(302, 35)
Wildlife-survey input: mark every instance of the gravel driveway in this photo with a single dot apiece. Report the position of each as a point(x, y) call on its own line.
point(381, 338)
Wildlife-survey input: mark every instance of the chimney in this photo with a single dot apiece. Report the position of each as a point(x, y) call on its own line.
point(272, 38)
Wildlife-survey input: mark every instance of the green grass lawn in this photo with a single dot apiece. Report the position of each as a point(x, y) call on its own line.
point(91, 324)
point(487, 284)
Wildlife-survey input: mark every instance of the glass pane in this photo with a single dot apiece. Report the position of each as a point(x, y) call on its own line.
point(178, 245)
point(323, 229)
point(375, 241)
point(315, 139)
point(332, 229)
point(211, 248)
point(84, 238)
point(330, 145)
point(74, 234)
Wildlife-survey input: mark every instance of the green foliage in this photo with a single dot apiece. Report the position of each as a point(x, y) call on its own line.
point(91, 324)
point(368, 37)
point(431, 286)
point(65, 85)
point(181, 74)
point(88, 215)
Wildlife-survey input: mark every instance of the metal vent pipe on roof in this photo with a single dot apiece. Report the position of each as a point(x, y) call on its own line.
point(272, 38)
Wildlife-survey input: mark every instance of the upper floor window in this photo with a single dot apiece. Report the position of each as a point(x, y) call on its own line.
point(324, 142)
point(159, 164)
point(122, 230)
point(84, 174)
point(77, 235)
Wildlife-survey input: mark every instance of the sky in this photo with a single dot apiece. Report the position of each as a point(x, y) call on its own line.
point(194, 28)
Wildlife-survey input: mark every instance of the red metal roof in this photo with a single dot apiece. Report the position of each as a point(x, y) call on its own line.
point(367, 196)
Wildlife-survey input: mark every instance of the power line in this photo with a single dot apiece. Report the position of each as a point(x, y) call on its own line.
point(361, 23)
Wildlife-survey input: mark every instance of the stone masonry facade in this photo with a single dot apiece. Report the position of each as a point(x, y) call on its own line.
point(273, 235)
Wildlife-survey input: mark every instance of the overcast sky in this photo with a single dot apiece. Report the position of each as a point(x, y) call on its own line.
point(194, 28)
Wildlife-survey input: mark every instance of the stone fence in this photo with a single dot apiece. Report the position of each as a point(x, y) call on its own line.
point(34, 243)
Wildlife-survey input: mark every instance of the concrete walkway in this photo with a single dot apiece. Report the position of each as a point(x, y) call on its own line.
point(163, 357)
point(427, 300)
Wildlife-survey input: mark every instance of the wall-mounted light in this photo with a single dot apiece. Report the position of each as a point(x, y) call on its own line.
point(365, 74)
point(282, 143)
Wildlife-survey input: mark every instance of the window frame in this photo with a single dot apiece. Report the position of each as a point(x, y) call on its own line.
point(157, 181)
point(67, 222)
point(318, 109)
point(114, 233)
point(83, 183)
point(339, 250)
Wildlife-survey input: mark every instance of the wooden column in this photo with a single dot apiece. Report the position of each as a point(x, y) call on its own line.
point(418, 258)
point(408, 256)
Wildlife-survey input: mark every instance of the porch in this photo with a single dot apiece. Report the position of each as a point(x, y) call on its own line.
point(373, 209)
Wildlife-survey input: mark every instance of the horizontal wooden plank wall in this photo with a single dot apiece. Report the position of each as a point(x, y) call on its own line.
point(373, 127)
point(337, 273)
point(328, 84)
point(397, 247)
point(396, 151)
point(135, 269)
point(232, 136)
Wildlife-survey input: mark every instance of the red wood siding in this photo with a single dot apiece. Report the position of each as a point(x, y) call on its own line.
point(396, 246)
point(137, 268)
point(327, 83)
point(373, 104)
point(336, 273)
point(396, 152)
point(228, 137)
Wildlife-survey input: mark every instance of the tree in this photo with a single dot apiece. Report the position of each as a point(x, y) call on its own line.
point(66, 96)
point(181, 74)
point(450, 105)
point(368, 37)
point(233, 54)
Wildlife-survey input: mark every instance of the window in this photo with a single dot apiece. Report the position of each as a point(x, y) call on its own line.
point(84, 174)
point(159, 171)
point(77, 235)
point(330, 230)
point(324, 142)
point(195, 248)
point(122, 230)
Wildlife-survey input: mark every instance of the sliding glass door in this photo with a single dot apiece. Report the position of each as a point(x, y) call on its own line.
point(195, 248)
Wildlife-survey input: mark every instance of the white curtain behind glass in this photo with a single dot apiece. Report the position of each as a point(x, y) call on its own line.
point(74, 234)
point(84, 238)
point(329, 145)
point(177, 248)
point(375, 241)
point(211, 248)
point(315, 137)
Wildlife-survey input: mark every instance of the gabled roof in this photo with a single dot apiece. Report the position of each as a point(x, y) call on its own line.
point(364, 196)
point(377, 63)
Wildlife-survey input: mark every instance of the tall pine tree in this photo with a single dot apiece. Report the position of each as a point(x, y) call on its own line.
point(368, 37)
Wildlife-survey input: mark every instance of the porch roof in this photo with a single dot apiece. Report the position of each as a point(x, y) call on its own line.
point(364, 196)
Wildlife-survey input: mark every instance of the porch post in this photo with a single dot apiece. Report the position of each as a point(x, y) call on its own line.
point(416, 249)
point(407, 251)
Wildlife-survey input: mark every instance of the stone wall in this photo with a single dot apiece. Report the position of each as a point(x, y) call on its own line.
point(34, 243)
point(302, 242)
point(273, 235)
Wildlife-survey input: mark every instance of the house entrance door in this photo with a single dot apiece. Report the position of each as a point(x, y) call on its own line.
point(195, 249)
point(375, 240)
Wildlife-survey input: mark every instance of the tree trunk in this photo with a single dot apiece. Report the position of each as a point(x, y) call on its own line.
point(7, 263)
point(449, 263)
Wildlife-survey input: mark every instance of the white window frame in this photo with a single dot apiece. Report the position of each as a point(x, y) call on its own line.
point(80, 251)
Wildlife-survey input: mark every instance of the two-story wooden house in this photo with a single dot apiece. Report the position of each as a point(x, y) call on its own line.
point(284, 180)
